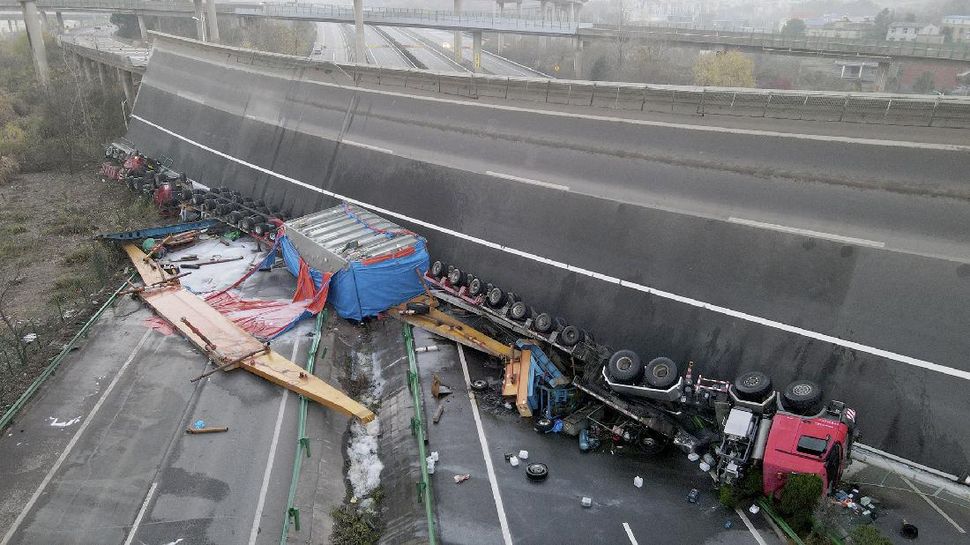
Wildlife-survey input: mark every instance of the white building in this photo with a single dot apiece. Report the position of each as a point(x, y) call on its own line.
point(958, 26)
point(914, 32)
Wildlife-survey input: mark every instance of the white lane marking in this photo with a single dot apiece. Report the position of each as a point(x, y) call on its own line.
point(933, 505)
point(271, 458)
point(747, 522)
point(367, 146)
point(70, 445)
point(807, 232)
point(629, 534)
point(499, 506)
point(527, 180)
point(642, 122)
point(141, 514)
point(852, 345)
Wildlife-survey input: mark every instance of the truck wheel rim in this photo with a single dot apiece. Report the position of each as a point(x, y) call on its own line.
point(802, 389)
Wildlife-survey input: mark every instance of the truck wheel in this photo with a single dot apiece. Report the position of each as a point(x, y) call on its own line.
point(519, 311)
point(495, 298)
point(661, 373)
point(543, 425)
point(569, 336)
point(542, 323)
point(802, 396)
point(651, 443)
point(625, 366)
point(753, 385)
point(438, 269)
point(512, 296)
point(456, 277)
point(234, 217)
point(475, 287)
point(560, 323)
point(479, 385)
point(536, 472)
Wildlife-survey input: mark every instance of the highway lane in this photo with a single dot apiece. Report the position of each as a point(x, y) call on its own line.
point(331, 42)
point(491, 63)
point(382, 52)
point(395, 155)
point(432, 58)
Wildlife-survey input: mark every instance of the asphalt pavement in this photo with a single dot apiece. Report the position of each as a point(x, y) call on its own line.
point(331, 42)
point(432, 57)
point(443, 41)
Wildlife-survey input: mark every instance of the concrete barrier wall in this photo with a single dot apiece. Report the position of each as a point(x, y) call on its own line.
point(260, 124)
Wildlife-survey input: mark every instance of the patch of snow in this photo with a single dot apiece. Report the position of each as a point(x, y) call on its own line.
point(218, 276)
point(29, 338)
point(365, 464)
point(56, 422)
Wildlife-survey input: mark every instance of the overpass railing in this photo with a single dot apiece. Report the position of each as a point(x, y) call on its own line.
point(820, 44)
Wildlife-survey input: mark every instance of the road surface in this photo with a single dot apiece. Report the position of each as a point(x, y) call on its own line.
point(432, 57)
point(331, 43)
point(491, 63)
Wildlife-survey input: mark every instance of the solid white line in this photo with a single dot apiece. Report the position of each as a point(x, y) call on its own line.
point(527, 180)
point(807, 232)
point(70, 445)
point(141, 514)
point(271, 458)
point(751, 528)
point(629, 534)
point(499, 506)
point(641, 122)
point(933, 505)
point(367, 146)
point(852, 345)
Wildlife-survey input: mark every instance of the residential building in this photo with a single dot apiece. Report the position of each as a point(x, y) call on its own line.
point(958, 28)
point(914, 32)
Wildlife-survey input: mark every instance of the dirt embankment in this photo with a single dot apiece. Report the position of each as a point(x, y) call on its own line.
point(53, 275)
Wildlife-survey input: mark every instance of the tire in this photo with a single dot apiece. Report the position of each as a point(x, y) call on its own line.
point(536, 472)
point(475, 287)
point(495, 298)
point(479, 385)
point(457, 277)
point(752, 386)
point(802, 396)
point(438, 269)
point(543, 425)
point(560, 323)
point(513, 297)
point(234, 217)
point(519, 311)
point(651, 443)
point(569, 336)
point(542, 323)
point(625, 366)
point(661, 373)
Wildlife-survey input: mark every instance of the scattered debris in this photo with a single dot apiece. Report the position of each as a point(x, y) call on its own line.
point(365, 468)
point(587, 502)
point(29, 338)
point(523, 455)
point(430, 348)
point(438, 412)
point(908, 531)
point(462, 478)
point(479, 385)
point(437, 388)
point(514, 460)
point(194, 430)
point(693, 495)
point(754, 509)
point(57, 423)
point(638, 481)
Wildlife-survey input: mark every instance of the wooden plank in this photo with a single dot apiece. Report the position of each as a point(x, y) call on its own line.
point(522, 387)
point(149, 271)
point(233, 342)
point(449, 327)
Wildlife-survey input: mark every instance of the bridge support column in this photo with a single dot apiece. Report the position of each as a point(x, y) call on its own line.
point(501, 37)
point(213, 22)
point(142, 28)
point(36, 38)
point(882, 77)
point(360, 55)
point(578, 60)
point(102, 78)
point(125, 79)
point(59, 17)
point(88, 66)
point(458, 55)
point(10, 25)
point(199, 20)
point(477, 51)
point(572, 12)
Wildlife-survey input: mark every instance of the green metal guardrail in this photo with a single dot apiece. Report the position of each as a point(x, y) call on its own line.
point(303, 442)
point(766, 507)
point(56, 361)
point(417, 428)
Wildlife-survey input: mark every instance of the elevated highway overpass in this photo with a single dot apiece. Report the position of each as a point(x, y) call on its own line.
point(830, 251)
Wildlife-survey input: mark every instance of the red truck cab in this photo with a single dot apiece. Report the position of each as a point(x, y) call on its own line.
point(799, 444)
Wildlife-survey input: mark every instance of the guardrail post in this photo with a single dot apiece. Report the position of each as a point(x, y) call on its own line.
point(845, 106)
point(933, 113)
point(700, 105)
point(767, 104)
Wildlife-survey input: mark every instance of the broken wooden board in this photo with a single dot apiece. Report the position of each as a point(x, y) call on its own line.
point(449, 327)
point(522, 386)
point(149, 270)
point(174, 303)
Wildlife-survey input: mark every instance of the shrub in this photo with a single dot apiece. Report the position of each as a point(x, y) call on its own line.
point(868, 535)
point(728, 497)
point(799, 498)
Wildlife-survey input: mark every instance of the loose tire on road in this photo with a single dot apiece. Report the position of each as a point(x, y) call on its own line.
point(479, 385)
point(752, 386)
point(536, 472)
point(661, 373)
point(625, 366)
point(569, 336)
point(542, 323)
point(802, 397)
point(543, 425)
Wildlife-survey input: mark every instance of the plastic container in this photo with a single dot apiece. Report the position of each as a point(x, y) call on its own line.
point(587, 502)
point(431, 463)
point(638, 481)
point(523, 455)
point(514, 460)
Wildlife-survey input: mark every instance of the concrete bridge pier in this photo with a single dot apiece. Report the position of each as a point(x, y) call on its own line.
point(578, 59)
point(142, 29)
point(213, 22)
point(199, 20)
point(10, 25)
point(102, 78)
point(360, 55)
point(458, 56)
point(88, 67)
point(501, 37)
point(477, 51)
point(882, 76)
point(59, 17)
point(127, 86)
point(36, 38)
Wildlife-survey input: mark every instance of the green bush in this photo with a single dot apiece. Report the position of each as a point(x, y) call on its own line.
point(868, 535)
point(354, 526)
point(728, 496)
point(798, 501)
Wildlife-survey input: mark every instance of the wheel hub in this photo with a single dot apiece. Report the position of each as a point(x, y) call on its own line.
point(802, 389)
